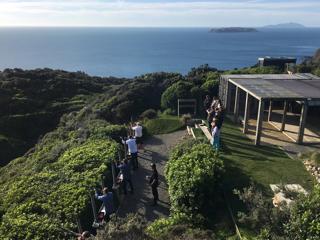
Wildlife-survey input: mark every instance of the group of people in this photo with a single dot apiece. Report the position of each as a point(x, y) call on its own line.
point(133, 143)
point(215, 117)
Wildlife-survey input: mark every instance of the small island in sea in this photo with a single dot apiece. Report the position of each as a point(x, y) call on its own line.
point(233, 30)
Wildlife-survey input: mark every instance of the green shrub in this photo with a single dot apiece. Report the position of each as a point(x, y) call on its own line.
point(163, 125)
point(181, 89)
point(193, 177)
point(211, 87)
point(36, 206)
point(178, 226)
point(169, 111)
point(131, 227)
point(304, 221)
point(315, 158)
point(150, 114)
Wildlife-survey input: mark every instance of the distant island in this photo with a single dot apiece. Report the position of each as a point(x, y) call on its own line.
point(286, 25)
point(233, 30)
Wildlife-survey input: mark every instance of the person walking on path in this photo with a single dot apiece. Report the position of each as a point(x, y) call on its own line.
point(215, 136)
point(138, 134)
point(126, 176)
point(107, 199)
point(154, 183)
point(133, 151)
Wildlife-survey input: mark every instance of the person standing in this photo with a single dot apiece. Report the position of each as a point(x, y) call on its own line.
point(207, 103)
point(133, 151)
point(211, 114)
point(138, 134)
point(215, 136)
point(126, 174)
point(107, 199)
point(154, 183)
point(219, 117)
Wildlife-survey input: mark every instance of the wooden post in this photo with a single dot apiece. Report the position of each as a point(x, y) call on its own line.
point(259, 122)
point(246, 113)
point(302, 124)
point(114, 175)
point(284, 116)
point(178, 107)
point(227, 97)
point(94, 208)
point(236, 105)
point(270, 111)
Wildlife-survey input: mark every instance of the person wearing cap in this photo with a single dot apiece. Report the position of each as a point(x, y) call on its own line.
point(107, 199)
point(138, 134)
point(154, 183)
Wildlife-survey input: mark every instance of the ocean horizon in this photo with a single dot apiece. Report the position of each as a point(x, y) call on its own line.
point(129, 52)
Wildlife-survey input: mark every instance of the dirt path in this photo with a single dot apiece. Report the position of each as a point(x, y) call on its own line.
point(156, 150)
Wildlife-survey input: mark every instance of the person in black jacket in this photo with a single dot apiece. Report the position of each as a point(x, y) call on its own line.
point(207, 103)
point(154, 183)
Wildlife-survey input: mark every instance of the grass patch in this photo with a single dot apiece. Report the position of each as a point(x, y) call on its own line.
point(263, 164)
point(163, 124)
point(198, 133)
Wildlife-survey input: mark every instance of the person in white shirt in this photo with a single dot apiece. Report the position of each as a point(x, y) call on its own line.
point(133, 151)
point(138, 134)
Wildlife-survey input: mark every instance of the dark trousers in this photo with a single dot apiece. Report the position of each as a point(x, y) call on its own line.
point(125, 181)
point(134, 159)
point(155, 194)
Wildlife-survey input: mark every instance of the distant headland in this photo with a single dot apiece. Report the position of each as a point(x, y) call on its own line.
point(286, 25)
point(233, 30)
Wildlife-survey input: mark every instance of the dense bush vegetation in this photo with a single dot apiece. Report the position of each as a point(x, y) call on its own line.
point(132, 227)
point(32, 102)
point(48, 187)
point(299, 222)
point(304, 221)
point(149, 114)
point(193, 175)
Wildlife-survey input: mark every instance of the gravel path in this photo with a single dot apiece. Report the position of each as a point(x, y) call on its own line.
point(156, 150)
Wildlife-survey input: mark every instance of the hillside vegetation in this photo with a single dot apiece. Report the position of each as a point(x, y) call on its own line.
point(32, 102)
point(59, 132)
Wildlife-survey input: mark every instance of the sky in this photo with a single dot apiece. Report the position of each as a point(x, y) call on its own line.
point(158, 13)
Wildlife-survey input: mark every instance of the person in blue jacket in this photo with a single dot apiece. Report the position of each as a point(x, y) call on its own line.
point(107, 199)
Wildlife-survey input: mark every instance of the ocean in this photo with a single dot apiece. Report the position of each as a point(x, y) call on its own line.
point(128, 52)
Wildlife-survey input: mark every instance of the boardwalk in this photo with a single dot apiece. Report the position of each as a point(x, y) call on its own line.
point(156, 150)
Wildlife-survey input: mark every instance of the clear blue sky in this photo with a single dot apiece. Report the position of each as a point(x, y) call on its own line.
point(157, 13)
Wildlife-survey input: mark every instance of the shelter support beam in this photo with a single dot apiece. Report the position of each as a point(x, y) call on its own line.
point(284, 116)
point(236, 105)
point(302, 124)
point(246, 113)
point(259, 122)
point(228, 97)
point(270, 111)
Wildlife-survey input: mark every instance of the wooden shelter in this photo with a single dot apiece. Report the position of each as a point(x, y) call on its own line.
point(269, 88)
